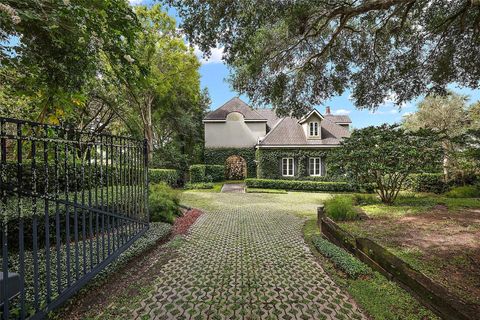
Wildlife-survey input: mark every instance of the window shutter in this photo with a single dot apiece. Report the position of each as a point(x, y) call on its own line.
point(323, 166)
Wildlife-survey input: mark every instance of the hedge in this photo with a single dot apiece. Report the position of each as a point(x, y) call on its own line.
point(218, 156)
point(206, 173)
point(299, 185)
point(169, 176)
point(426, 182)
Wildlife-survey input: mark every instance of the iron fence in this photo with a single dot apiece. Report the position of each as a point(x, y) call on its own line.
point(71, 202)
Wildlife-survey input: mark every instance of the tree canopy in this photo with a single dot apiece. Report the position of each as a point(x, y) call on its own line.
point(49, 49)
point(296, 54)
point(456, 124)
point(103, 66)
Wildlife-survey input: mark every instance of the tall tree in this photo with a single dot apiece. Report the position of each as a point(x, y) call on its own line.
point(165, 94)
point(295, 54)
point(55, 47)
point(448, 116)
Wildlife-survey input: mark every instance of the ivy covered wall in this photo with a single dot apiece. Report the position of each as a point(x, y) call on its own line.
point(220, 155)
point(269, 163)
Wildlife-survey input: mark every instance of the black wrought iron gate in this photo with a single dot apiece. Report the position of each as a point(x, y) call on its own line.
point(71, 202)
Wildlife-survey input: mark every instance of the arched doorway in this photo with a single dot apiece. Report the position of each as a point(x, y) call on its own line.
point(235, 168)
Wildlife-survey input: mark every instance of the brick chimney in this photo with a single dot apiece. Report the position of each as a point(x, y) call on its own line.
point(327, 110)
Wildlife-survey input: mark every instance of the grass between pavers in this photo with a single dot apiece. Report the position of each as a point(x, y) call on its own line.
point(377, 296)
point(381, 298)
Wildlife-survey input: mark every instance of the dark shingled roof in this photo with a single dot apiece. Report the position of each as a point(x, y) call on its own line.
point(290, 132)
point(270, 115)
point(235, 105)
point(338, 118)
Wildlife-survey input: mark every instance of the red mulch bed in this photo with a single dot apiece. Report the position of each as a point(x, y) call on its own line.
point(183, 223)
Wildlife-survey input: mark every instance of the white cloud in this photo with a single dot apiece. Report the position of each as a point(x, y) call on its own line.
point(135, 2)
point(215, 57)
point(406, 114)
point(341, 112)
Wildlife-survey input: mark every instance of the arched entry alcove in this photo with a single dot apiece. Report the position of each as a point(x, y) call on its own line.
point(235, 168)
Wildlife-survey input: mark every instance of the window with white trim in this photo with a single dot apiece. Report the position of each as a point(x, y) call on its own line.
point(287, 167)
point(313, 129)
point(315, 166)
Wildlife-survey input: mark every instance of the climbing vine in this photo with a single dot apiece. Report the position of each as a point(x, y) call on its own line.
point(220, 155)
point(269, 163)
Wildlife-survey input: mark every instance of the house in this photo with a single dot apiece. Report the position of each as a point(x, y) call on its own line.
point(266, 146)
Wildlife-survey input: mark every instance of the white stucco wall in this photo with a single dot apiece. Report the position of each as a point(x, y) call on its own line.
point(234, 132)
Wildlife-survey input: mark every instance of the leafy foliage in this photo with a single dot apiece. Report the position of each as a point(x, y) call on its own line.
point(299, 185)
point(426, 182)
point(50, 49)
point(340, 208)
point(220, 155)
point(297, 54)
point(385, 156)
point(169, 176)
point(341, 258)
point(163, 203)
point(269, 163)
point(199, 185)
point(464, 192)
point(450, 118)
point(206, 173)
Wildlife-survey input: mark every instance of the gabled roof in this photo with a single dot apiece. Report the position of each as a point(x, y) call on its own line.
point(289, 132)
point(235, 105)
point(308, 115)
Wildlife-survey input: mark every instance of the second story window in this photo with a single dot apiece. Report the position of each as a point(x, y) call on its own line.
point(314, 130)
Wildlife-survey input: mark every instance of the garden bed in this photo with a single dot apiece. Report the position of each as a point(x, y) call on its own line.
point(437, 236)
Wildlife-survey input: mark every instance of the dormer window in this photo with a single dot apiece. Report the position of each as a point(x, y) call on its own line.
point(314, 130)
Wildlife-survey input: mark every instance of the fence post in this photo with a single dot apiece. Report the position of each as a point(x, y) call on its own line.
point(320, 215)
point(145, 153)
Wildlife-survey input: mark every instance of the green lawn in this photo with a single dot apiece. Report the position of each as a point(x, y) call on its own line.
point(380, 298)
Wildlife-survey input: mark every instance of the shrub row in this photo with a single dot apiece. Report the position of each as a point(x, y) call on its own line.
point(341, 258)
point(207, 173)
point(171, 177)
point(299, 185)
point(426, 182)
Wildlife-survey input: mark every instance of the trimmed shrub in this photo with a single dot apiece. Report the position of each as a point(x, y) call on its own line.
point(163, 203)
point(340, 208)
point(206, 173)
point(464, 192)
point(426, 182)
point(341, 258)
point(169, 176)
point(199, 185)
point(299, 185)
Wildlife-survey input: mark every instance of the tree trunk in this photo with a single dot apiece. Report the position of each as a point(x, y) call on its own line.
point(148, 127)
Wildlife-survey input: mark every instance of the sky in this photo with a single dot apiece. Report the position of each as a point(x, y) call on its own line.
point(214, 73)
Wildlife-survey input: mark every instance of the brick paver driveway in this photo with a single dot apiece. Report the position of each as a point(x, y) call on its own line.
point(246, 262)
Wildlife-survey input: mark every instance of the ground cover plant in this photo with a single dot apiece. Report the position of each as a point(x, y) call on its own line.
point(342, 259)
